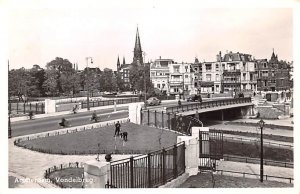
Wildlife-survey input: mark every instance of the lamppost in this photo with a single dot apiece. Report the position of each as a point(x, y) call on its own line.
point(261, 124)
point(88, 82)
point(9, 111)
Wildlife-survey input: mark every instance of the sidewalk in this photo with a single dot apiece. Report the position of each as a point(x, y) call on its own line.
point(255, 169)
point(281, 122)
point(15, 119)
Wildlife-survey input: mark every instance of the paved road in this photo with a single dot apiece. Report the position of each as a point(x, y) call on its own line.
point(51, 123)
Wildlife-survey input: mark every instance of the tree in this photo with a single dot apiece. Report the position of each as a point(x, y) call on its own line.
point(60, 77)
point(18, 82)
point(137, 75)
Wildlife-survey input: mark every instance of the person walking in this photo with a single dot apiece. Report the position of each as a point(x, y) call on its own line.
point(94, 117)
point(117, 130)
point(197, 115)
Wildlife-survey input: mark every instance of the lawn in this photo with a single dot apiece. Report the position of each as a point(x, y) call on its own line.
point(204, 180)
point(141, 140)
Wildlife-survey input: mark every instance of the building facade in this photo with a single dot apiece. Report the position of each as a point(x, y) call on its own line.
point(159, 74)
point(273, 75)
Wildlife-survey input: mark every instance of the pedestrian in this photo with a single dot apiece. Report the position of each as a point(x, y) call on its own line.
point(94, 117)
point(179, 103)
point(117, 130)
point(197, 115)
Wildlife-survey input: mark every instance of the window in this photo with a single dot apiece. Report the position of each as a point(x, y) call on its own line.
point(265, 65)
point(196, 69)
point(217, 77)
point(244, 76)
point(152, 74)
point(208, 67)
point(186, 76)
point(217, 67)
point(186, 68)
point(176, 90)
point(158, 85)
point(208, 77)
point(186, 87)
point(163, 85)
point(176, 69)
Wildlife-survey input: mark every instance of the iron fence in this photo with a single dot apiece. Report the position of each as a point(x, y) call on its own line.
point(60, 167)
point(207, 104)
point(148, 171)
point(265, 177)
point(167, 120)
point(19, 109)
point(257, 161)
point(110, 102)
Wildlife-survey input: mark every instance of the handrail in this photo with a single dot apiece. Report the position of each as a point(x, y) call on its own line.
point(205, 104)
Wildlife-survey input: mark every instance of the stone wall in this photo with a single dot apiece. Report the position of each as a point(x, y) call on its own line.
point(268, 112)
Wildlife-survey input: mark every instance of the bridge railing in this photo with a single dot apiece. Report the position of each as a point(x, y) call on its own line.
point(207, 104)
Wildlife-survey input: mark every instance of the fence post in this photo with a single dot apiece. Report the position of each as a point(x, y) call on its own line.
point(24, 107)
point(42, 107)
point(169, 121)
point(164, 165)
point(131, 172)
point(17, 107)
point(141, 113)
point(149, 170)
point(162, 119)
point(155, 118)
point(148, 117)
point(36, 107)
point(175, 161)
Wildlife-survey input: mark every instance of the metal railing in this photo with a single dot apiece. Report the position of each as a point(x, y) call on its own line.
point(171, 121)
point(257, 161)
point(110, 102)
point(265, 177)
point(148, 171)
point(207, 104)
point(49, 171)
point(20, 109)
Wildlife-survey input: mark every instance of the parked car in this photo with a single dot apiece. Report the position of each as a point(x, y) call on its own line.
point(194, 98)
point(153, 101)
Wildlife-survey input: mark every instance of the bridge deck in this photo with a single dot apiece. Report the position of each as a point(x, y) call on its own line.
point(216, 108)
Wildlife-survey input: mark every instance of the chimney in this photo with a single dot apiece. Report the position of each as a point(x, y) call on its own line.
point(159, 57)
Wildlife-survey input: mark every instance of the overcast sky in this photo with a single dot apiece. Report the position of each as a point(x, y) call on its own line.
point(39, 31)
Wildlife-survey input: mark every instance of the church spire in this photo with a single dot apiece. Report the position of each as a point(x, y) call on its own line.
point(118, 64)
point(137, 53)
point(124, 60)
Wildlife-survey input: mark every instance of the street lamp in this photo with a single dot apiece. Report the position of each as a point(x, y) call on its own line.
point(261, 124)
point(88, 82)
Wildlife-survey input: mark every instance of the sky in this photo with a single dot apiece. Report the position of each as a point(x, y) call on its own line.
point(39, 31)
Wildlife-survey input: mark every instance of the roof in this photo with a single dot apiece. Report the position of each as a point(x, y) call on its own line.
point(237, 57)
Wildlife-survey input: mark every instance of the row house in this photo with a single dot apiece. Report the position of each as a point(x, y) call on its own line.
point(159, 74)
point(172, 77)
point(273, 75)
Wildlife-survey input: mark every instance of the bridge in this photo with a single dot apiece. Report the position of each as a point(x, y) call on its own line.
point(180, 118)
point(209, 106)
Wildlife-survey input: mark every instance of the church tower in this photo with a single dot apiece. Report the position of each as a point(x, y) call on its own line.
point(118, 64)
point(137, 53)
